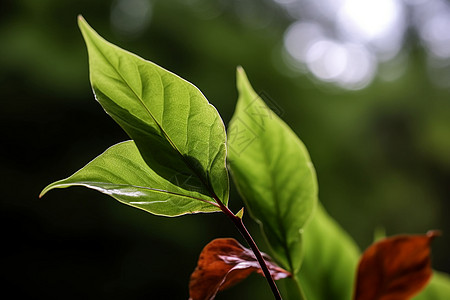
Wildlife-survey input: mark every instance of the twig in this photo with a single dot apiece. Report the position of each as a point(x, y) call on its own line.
point(244, 232)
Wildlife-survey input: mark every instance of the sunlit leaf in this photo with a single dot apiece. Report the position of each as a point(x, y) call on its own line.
point(395, 268)
point(330, 259)
point(174, 127)
point(122, 173)
point(223, 263)
point(273, 172)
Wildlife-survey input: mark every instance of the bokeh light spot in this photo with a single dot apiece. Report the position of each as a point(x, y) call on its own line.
point(436, 34)
point(326, 59)
point(368, 20)
point(347, 65)
point(130, 17)
point(299, 37)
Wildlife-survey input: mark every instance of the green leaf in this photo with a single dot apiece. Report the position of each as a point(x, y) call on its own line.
point(273, 172)
point(437, 289)
point(174, 127)
point(330, 259)
point(122, 173)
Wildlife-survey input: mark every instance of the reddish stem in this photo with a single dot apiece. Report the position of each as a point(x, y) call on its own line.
point(244, 232)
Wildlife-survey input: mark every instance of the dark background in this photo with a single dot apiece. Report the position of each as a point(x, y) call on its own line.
point(381, 149)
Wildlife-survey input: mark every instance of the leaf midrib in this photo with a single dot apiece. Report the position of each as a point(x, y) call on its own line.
point(277, 206)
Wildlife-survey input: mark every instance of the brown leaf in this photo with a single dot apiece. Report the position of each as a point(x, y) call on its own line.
point(395, 268)
point(223, 263)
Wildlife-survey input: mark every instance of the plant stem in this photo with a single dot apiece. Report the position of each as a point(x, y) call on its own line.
point(244, 232)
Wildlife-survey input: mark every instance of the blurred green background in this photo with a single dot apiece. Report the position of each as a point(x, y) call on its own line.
point(371, 101)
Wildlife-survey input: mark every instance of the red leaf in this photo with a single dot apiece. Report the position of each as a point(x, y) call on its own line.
point(223, 263)
point(395, 268)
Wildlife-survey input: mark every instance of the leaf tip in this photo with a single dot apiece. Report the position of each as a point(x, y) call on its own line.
point(84, 26)
point(49, 187)
point(81, 21)
point(242, 80)
point(431, 234)
point(240, 72)
point(44, 191)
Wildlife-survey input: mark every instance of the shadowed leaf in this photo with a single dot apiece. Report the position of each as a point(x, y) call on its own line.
point(395, 268)
point(121, 173)
point(330, 259)
point(223, 263)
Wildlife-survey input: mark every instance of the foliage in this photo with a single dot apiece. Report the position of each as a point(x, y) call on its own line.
point(122, 173)
point(175, 165)
point(273, 173)
point(326, 242)
point(177, 132)
point(397, 267)
point(223, 263)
